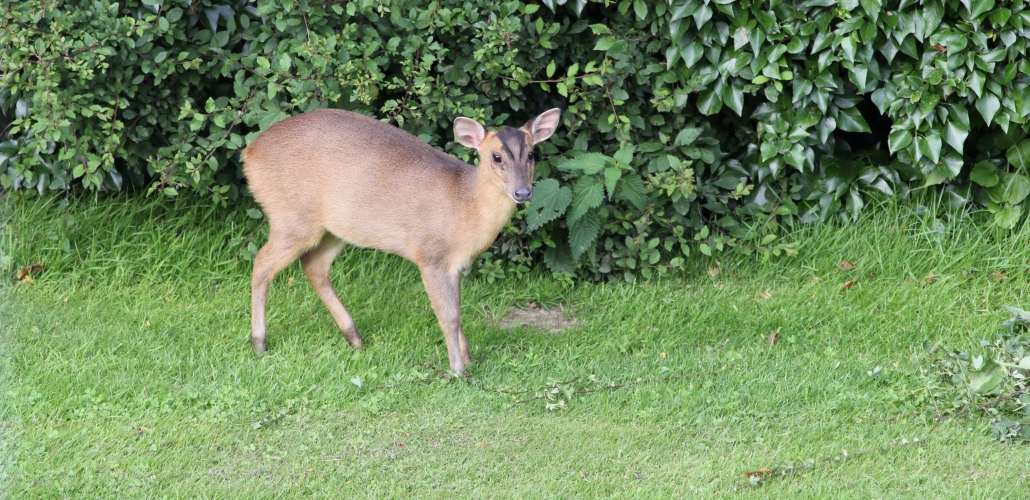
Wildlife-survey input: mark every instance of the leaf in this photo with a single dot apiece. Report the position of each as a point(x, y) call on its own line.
point(640, 7)
point(582, 233)
point(984, 174)
point(988, 106)
point(848, 284)
point(1008, 217)
point(850, 120)
point(687, 136)
point(611, 176)
point(590, 163)
point(709, 101)
point(955, 134)
point(734, 99)
point(933, 144)
point(898, 140)
point(254, 213)
point(987, 379)
point(548, 202)
point(589, 193)
point(1019, 155)
point(1017, 187)
point(847, 266)
point(550, 69)
point(631, 187)
point(625, 154)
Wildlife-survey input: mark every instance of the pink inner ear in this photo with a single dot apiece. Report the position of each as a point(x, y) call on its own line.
point(469, 132)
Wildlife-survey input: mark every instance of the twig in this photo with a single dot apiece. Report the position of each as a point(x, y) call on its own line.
point(252, 233)
point(638, 382)
point(618, 123)
point(762, 475)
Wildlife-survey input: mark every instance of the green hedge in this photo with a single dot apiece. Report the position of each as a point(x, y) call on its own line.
point(695, 126)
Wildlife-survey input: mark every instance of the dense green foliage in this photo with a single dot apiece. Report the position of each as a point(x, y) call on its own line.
point(689, 126)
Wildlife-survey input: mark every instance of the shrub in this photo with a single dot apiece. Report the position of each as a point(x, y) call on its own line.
point(690, 126)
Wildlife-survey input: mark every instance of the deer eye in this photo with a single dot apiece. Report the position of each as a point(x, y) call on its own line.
point(532, 156)
point(497, 158)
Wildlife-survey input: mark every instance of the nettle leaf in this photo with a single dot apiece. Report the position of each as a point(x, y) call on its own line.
point(611, 176)
point(1019, 155)
point(549, 201)
point(625, 154)
point(589, 193)
point(631, 187)
point(984, 173)
point(589, 163)
point(583, 232)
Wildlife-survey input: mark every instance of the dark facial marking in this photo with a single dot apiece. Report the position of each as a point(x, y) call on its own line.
point(514, 141)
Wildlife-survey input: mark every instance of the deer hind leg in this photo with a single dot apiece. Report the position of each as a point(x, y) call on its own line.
point(316, 264)
point(281, 249)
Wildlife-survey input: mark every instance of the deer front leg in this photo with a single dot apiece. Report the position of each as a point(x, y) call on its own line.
point(444, 289)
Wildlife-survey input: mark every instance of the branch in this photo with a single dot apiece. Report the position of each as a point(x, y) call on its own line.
point(985, 405)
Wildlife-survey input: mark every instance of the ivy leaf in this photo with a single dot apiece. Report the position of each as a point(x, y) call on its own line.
point(850, 120)
point(898, 140)
point(734, 99)
point(984, 174)
point(709, 101)
point(589, 164)
point(1019, 155)
point(955, 134)
point(988, 105)
point(589, 193)
point(549, 201)
point(583, 232)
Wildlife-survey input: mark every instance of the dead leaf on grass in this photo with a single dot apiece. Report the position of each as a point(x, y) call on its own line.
point(847, 266)
point(25, 275)
point(765, 295)
point(929, 279)
point(848, 284)
point(714, 271)
point(759, 472)
point(998, 276)
point(773, 339)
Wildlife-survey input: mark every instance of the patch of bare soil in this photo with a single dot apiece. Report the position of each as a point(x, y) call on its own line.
point(547, 320)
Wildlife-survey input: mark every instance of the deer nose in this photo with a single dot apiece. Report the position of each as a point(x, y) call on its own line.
point(523, 194)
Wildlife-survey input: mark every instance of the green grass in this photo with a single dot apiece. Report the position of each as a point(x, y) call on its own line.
point(127, 371)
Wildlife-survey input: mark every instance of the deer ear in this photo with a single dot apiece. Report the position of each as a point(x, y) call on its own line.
point(541, 127)
point(468, 132)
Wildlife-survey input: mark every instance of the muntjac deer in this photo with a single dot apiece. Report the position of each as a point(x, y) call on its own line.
point(327, 178)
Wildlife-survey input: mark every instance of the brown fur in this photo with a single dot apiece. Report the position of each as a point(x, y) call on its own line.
point(330, 177)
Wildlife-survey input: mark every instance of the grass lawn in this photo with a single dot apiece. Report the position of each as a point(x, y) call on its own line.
point(127, 371)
